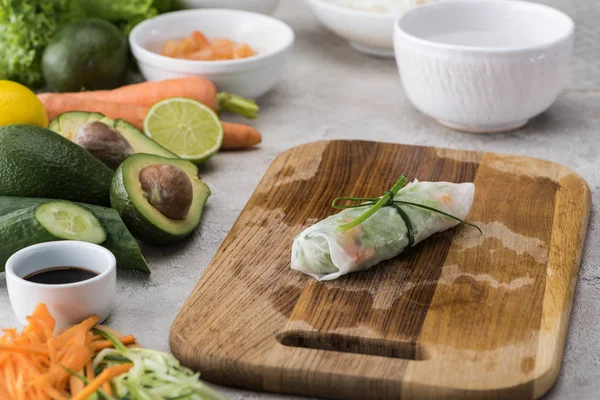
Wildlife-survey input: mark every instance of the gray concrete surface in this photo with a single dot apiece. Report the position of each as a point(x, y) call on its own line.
point(330, 92)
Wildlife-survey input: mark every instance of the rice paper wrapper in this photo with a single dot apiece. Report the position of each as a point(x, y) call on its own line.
point(325, 253)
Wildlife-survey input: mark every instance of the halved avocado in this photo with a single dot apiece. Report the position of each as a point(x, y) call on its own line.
point(140, 142)
point(161, 200)
point(68, 124)
point(111, 146)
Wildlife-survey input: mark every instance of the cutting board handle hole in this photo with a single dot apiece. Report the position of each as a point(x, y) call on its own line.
point(353, 345)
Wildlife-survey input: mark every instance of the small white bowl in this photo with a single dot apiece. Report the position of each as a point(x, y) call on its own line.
point(68, 303)
point(369, 33)
point(258, 6)
point(483, 66)
point(249, 77)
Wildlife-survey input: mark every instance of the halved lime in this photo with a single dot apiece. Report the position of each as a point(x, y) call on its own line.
point(186, 127)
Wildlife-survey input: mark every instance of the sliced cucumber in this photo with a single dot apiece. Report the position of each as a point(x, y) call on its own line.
point(49, 221)
point(119, 241)
point(69, 221)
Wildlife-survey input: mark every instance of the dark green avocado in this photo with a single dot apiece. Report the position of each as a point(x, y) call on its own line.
point(90, 54)
point(36, 162)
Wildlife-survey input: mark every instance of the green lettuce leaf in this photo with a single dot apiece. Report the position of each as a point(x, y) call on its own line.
point(127, 13)
point(26, 28)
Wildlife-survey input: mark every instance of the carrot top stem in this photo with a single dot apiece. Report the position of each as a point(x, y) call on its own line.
point(239, 105)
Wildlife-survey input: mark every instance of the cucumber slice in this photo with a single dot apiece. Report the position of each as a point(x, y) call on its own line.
point(70, 222)
point(49, 221)
point(119, 241)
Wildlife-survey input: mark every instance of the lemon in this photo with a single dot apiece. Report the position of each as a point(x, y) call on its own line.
point(19, 105)
point(186, 127)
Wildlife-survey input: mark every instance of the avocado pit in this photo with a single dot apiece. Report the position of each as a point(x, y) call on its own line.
point(104, 142)
point(168, 189)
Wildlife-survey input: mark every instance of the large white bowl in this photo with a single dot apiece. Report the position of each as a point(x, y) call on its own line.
point(509, 70)
point(367, 32)
point(259, 6)
point(249, 77)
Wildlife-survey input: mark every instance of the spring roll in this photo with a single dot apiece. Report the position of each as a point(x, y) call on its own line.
point(325, 253)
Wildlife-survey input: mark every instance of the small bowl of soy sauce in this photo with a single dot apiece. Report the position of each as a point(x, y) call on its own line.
point(74, 279)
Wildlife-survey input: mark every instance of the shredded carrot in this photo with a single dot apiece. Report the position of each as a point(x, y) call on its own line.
point(107, 388)
point(76, 385)
point(23, 348)
point(89, 371)
point(35, 364)
point(107, 344)
point(105, 376)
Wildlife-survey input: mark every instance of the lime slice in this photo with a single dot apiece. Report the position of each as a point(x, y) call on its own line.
point(186, 127)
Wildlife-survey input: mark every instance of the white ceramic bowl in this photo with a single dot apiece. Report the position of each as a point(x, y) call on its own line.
point(258, 6)
point(367, 32)
point(250, 77)
point(483, 66)
point(68, 303)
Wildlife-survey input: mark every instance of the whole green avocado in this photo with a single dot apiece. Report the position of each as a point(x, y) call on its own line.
point(36, 162)
point(90, 54)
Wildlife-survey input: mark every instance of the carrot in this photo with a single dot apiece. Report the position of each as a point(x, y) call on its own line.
point(236, 136)
point(107, 388)
point(34, 364)
point(239, 136)
point(107, 344)
point(105, 376)
point(89, 370)
point(23, 348)
point(75, 384)
point(148, 93)
point(58, 103)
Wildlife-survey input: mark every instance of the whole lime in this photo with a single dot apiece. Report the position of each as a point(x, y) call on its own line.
point(89, 54)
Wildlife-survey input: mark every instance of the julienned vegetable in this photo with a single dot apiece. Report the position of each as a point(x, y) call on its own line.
point(378, 229)
point(155, 374)
point(35, 364)
point(119, 241)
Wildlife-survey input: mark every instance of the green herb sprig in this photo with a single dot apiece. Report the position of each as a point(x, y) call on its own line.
point(387, 200)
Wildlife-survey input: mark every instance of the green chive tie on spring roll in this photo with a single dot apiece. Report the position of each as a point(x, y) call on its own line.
point(325, 253)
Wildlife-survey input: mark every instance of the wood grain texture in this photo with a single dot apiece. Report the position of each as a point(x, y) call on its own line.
point(461, 316)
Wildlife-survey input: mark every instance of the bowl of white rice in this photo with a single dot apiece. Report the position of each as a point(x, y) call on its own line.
point(367, 25)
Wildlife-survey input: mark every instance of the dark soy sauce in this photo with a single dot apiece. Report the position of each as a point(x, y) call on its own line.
point(60, 275)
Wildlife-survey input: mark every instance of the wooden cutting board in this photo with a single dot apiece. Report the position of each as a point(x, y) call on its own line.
point(462, 315)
